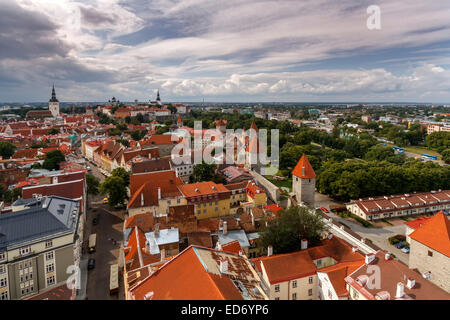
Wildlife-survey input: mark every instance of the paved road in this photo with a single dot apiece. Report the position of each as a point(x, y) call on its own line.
point(107, 253)
point(378, 235)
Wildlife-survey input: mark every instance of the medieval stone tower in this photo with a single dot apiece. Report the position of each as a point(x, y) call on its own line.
point(304, 182)
point(53, 104)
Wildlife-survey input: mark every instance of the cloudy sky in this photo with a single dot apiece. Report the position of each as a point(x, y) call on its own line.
point(246, 50)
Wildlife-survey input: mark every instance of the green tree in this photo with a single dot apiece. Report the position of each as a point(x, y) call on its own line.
point(446, 155)
point(114, 187)
point(7, 149)
point(294, 224)
point(92, 184)
point(122, 173)
point(53, 159)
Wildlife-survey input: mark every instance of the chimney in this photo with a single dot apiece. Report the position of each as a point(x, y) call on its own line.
point(142, 199)
point(224, 228)
point(304, 244)
point(387, 256)
point(369, 258)
point(163, 254)
point(148, 295)
point(241, 253)
point(354, 249)
point(55, 180)
point(303, 171)
point(269, 250)
point(410, 283)
point(159, 193)
point(223, 265)
point(400, 290)
point(156, 230)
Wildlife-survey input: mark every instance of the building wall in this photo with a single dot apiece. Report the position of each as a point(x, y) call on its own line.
point(325, 289)
point(211, 209)
point(304, 190)
point(355, 294)
point(438, 264)
point(287, 289)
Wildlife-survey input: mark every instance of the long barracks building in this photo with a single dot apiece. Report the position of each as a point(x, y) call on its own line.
point(400, 205)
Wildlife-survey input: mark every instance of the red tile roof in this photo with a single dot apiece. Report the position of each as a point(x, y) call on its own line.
point(203, 188)
point(233, 247)
point(307, 172)
point(435, 233)
point(417, 222)
point(194, 275)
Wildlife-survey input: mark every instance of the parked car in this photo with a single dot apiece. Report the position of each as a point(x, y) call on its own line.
point(405, 249)
point(105, 200)
point(91, 264)
point(399, 245)
point(324, 209)
point(95, 221)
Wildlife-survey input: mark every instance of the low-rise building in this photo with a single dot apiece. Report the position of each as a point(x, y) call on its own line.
point(383, 278)
point(199, 273)
point(400, 205)
point(37, 245)
point(430, 250)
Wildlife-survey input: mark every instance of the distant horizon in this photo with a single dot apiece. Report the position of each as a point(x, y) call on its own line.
point(244, 102)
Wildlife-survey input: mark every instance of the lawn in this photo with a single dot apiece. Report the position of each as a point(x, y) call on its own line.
point(284, 183)
point(419, 150)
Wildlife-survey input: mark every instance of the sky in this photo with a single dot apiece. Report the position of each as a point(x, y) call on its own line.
point(224, 51)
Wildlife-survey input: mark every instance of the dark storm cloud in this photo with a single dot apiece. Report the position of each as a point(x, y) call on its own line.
point(25, 34)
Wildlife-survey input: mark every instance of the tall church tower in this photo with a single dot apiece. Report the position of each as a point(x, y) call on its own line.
point(304, 182)
point(158, 99)
point(53, 104)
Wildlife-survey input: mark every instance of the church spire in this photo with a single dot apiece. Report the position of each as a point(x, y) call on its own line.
point(157, 96)
point(53, 99)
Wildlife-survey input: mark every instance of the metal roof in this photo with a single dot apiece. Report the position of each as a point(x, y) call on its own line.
point(55, 215)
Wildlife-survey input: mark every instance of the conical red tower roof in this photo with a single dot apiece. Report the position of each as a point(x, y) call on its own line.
point(303, 169)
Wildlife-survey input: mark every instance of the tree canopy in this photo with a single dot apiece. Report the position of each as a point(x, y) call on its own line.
point(114, 187)
point(53, 159)
point(92, 184)
point(7, 149)
point(292, 225)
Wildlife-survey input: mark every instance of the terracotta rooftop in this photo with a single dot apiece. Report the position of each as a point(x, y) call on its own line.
point(435, 233)
point(393, 272)
point(194, 274)
point(303, 169)
point(417, 222)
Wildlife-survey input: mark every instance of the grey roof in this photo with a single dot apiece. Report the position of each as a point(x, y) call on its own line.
point(21, 202)
point(52, 217)
point(165, 236)
point(234, 235)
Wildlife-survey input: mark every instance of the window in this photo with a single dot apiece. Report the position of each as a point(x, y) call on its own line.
point(430, 253)
point(4, 295)
point(277, 288)
point(204, 211)
point(2, 282)
point(2, 269)
point(310, 280)
point(199, 211)
point(49, 255)
point(330, 295)
point(277, 298)
point(294, 284)
point(310, 292)
point(320, 284)
point(50, 280)
point(216, 209)
point(25, 250)
point(50, 268)
point(294, 296)
point(355, 295)
point(2, 256)
point(48, 244)
point(319, 263)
